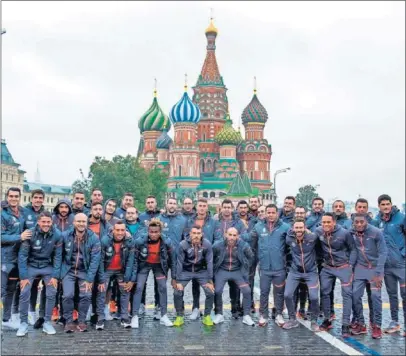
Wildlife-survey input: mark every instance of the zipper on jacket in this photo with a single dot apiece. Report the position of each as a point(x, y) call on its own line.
point(194, 264)
point(229, 268)
point(363, 252)
point(77, 259)
point(329, 247)
point(302, 255)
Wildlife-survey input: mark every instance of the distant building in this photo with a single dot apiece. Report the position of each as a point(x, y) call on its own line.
point(13, 176)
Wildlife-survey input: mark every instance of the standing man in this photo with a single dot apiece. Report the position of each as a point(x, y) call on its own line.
point(390, 220)
point(287, 214)
point(96, 223)
point(194, 263)
point(41, 257)
point(212, 233)
point(188, 210)
point(108, 211)
point(117, 262)
point(270, 235)
point(261, 212)
point(126, 202)
point(232, 258)
point(151, 210)
point(339, 256)
point(302, 245)
point(96, 197)
point(78, 203)
point(313, 221)
point(340, 215)
point(372, 253)
point(63, 215)
point(154, 252)
point(33, 209)
point(12, 225)
point(80, 262)
point(254, 205)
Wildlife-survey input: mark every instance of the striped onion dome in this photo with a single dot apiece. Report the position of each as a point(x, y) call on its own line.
point(154, 119)
point(164, 141)
point(185, 111)
point(254, 112)
point(227, 135)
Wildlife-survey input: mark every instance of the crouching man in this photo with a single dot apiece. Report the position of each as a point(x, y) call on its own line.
point(117, 262)
point(232, 260)
point(194, 262)
point(40, 256)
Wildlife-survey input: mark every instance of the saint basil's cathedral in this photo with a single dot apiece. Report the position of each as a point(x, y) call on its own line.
point(207, 156)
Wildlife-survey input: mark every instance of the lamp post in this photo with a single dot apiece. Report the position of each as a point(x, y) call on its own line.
point(283, 170)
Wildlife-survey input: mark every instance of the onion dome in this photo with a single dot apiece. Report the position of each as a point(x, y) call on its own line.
point(211, 28)
point(164, 141)
point(185, 111)
point(154, 119)
point(227, 135)
point(255, 111)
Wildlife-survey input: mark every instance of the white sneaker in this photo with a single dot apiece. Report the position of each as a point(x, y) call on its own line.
point(32, 318)
point(134, 322)
point(142, 309)
point(10, 324)
point(22, 330)
point(157, 314)
point(262, 321)
point(48, 328)
point(247, 320)
point(279, 320)
point(218, 318)
point(107, 315)
point(165, 320)
point(195, 314)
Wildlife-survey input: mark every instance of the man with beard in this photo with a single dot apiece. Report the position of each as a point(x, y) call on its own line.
point(154, 252)
point(96, 223)
point(108, 211)
point(12, 225)
point(188, 210)
point(261, 212)
point(80, 262)
point(287, 214)
point(126, 202)
point(341, 215)
point(117, 262)
point(371, 257)
point(339, 255)
point(96, 197)
point(40, 257)
point(33, 209)
point(78, 203)
point(231, 259)
point(212, 233)
point(194, 263)
point(254, 205)
point(303, 267)
point(63, 215)
point(151, 210)
point(390, 221)
point(249, 220)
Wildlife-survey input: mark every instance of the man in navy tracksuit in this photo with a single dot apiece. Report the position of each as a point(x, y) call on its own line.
point(232, 258)
point(212, 233)
point(126, 202)
point(80, 262)
point(151, 210)
point(340, 215)
point(371, 257)
point(302, 245)
point(79, 203)
point(339, 256)
point(287, 214)
point(270, 236)
point(194, 262)
point(12, 234)
point(117, 262)
point(41, 257)
point(390, 221)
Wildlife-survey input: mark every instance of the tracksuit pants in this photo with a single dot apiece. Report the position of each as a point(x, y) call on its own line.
point(142, 277)
point(292, 282)
point(68, 285)
point(393, 277)
point(278, 279)
point(124, 295)
point(328, 276)
point(201, 278)
point(9, 279)
point(25, 295)
point(156, 294)
point(301, 296)
point(221, 277)
point(362, 276)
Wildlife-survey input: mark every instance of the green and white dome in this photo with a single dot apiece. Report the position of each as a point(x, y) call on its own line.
point(154, 119)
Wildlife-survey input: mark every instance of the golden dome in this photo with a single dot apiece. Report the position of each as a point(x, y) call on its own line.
point(211, 28)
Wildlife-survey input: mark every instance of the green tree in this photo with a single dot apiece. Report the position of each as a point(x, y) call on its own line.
point(305, 196)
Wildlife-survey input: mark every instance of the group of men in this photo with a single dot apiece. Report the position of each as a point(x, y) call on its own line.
point(89, 255)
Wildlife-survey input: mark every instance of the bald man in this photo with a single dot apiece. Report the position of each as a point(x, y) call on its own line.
point(80, 262)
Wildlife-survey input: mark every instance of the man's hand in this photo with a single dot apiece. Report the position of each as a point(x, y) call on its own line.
point(101, 287)
point(173, 282)
point(209, 286)
point(88, 286)
point(24, 283)
point(179, 286)
point(378, 281)
point(128, 286)
point(26, 235)
point(53, 282)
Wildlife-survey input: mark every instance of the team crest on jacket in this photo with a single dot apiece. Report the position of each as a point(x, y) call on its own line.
point(293, 244)
point(166, 224)
point(381, 225)
point(321, 238)
point(29, 217)
point(264, 229)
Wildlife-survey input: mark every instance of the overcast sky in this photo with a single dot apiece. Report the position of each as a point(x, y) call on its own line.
point(76, 77)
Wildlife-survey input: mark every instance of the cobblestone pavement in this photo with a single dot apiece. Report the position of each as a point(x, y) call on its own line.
point(229, 338)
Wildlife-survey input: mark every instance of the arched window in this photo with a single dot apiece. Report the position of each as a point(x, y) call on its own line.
point(179, 171)
point(204, 137)
point(201, 166)
point(212, 194)
point(205, 195)
point(214, 166)
point(208, 165)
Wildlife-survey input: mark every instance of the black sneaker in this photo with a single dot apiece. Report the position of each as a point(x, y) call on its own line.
point(126, 323)
point(345, 331)
point(39, 323)
point(61, 321)
point(93, 319)
point(273, 313)
point(325, 325)
point(100, 325)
